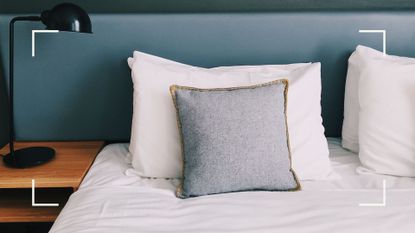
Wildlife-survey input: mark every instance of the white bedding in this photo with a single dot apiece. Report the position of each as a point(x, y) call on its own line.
point(114, 199)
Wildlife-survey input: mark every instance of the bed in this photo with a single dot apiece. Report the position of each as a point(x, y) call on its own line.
point(114, 199)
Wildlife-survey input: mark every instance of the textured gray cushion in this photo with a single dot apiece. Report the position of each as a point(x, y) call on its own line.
point(234, 139)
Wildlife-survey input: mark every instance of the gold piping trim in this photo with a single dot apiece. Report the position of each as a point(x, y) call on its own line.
point(298, 188)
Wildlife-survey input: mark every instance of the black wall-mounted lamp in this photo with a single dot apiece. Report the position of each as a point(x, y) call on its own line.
point(63, 17)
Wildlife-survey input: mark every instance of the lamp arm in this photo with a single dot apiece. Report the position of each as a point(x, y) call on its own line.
point(11, 74)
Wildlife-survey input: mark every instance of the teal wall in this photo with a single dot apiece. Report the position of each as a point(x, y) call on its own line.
point(3, 108)
point(9, 8)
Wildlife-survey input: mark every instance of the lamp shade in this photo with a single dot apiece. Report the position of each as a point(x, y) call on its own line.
point(67, 17)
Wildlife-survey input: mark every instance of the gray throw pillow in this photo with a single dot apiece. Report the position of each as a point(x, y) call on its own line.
point(234, 139)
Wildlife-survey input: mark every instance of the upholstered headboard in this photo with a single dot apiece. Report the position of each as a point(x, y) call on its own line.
point(78, 86)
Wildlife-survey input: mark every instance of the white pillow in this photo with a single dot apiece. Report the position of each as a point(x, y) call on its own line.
point(155, 142)
point(387, 117)
point(358, 61)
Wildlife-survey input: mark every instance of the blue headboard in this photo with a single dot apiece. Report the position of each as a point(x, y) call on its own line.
point(78, 86)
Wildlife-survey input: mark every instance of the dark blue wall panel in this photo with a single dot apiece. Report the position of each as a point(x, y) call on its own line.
point(78, 86)
point(163, 6)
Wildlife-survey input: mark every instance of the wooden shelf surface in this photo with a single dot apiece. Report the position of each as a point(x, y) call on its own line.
point(16, 204)
point(67, 169)
point(55, 181)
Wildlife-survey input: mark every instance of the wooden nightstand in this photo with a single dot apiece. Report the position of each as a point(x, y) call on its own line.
point(55, 181)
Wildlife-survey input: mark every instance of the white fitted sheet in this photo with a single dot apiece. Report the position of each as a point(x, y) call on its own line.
point(114, 199)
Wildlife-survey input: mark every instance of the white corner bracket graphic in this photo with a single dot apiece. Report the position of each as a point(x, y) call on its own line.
point(383, 204)
point(34, 34)
point(378, 31)
point(40, 204)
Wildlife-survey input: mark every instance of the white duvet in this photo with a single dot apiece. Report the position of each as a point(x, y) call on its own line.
point(113, 199)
